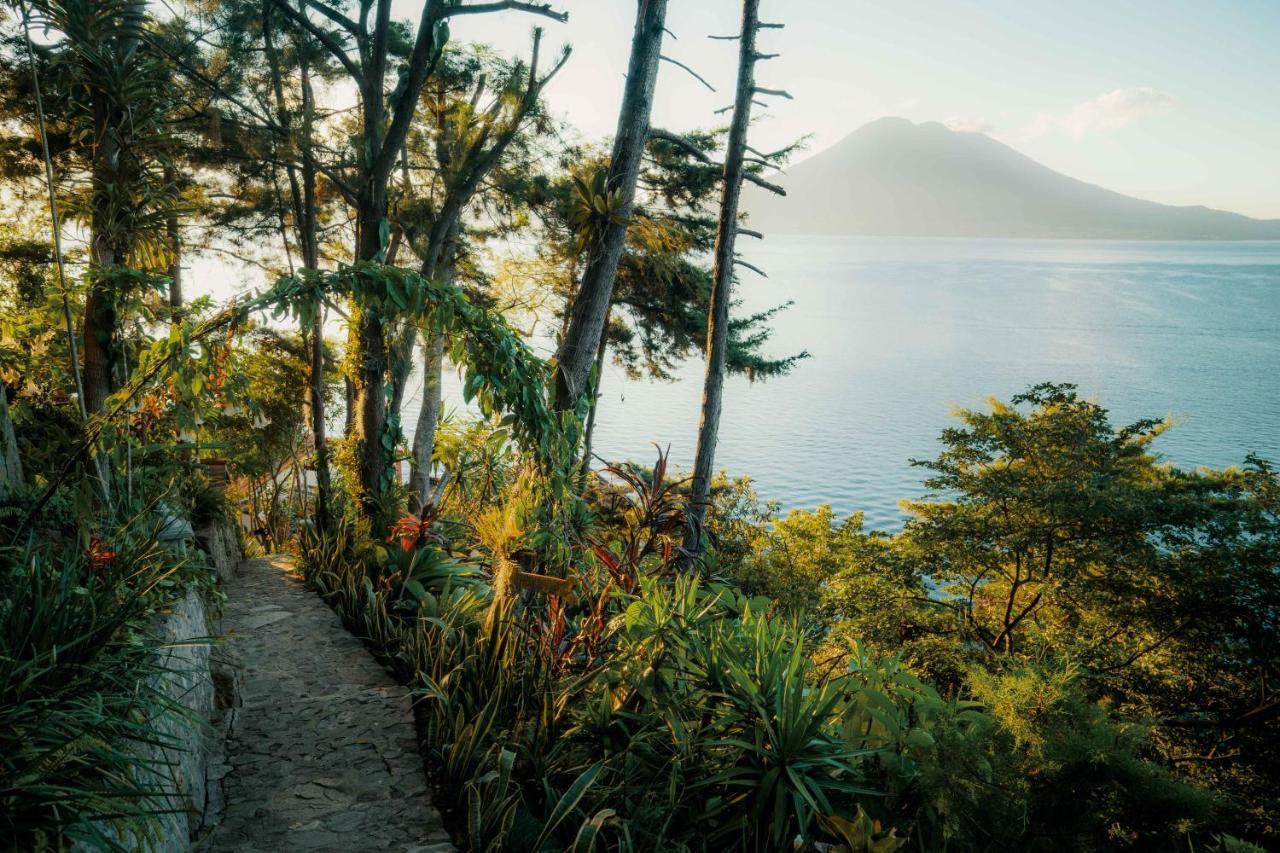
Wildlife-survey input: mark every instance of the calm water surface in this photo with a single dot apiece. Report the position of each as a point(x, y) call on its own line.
point(901, 331)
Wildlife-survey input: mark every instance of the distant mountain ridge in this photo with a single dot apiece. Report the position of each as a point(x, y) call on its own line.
point(896, 178)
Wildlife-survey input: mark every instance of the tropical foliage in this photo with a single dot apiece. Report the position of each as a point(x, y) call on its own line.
point(1070, 645)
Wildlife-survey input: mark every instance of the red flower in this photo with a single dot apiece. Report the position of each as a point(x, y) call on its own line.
point(100, 557)
point(408, 530)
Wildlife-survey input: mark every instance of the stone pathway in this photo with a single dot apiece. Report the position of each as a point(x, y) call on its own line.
point(322, 753)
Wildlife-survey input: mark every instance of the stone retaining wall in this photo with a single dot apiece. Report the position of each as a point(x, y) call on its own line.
point(200, 679)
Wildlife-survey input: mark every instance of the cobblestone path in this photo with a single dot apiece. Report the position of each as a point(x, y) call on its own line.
point(322, 753)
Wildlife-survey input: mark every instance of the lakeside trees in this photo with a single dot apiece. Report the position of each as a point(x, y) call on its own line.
point(1070, 645)
point(1057, 568)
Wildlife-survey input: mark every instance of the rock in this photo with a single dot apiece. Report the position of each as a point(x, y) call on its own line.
point(173, 527)
point(221, 541)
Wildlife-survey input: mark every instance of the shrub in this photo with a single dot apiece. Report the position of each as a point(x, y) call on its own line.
point(76, 705)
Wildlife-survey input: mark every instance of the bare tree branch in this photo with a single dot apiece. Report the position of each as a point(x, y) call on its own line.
point(695, 74)
point(402, 109)
point(335, 16)
point(755, 269)
point(772, 155)
point(504, 5)
point(747, 232)
point(339, 53)
point(565, 53)
point(761, 182)
point(781, 93)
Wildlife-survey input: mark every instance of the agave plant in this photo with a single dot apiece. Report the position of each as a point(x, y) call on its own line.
point(791, 762)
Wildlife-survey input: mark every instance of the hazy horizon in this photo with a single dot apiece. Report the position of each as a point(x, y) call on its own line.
point(893, 177)
point(1188, 114)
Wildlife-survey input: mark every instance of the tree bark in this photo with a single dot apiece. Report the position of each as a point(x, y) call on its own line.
point(443, 229)
point(349, 400)
point(111, 171)
point(100, 320)
point(424, 436)
point(440, 262)
point(589, 433)
point(308, 229)
point(381, 141)
point(722, 278)
point(99, 346)
point(302, 199)
point(591, 304)
point(370, 422)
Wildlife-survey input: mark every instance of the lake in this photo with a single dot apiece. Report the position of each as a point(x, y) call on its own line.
point(901, 331)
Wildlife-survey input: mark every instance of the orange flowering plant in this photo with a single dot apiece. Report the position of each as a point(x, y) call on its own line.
point(99, 554)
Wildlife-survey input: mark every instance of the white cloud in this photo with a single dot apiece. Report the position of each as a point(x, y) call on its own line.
point(1106, 112)
point(968, 124)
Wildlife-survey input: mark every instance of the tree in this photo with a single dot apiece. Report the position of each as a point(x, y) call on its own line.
point(109, 97)
point(1116, 615)
point(366, 48)
point(255, 71)
point(590, 307)
point(467, 143)
point(1052, 535)
point(658, 309)
point(305, 207)
point(10, 463)
point(718, 322)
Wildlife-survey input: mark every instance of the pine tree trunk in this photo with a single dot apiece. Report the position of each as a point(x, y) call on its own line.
point(302, 199)
point(440, 237)
point(590, 431)
point(370, 426)
point(722, 278)
point(308, 228)
point(98, 347)
point(372, 457)
point(404, 343)
point(349, 399)
point(112, 171)
point(100, 320)
point(424, 436)
point(439, 263)
point(591, 304)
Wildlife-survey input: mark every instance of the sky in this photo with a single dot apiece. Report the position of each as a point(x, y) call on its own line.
point(1176, 102)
